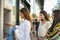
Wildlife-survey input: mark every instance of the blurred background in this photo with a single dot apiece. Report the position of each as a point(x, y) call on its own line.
point(8, 11)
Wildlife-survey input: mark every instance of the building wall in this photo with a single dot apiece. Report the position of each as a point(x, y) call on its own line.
point(58, 4)
point(8, 15)
point(4, 14)
point(1, 19)
point(8, 4)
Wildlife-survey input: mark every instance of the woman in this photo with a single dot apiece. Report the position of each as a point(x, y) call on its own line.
point(25, 25)
point(44, 25)
point(54, 30)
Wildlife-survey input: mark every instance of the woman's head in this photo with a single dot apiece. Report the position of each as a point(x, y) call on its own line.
point(24, 13)
point(56, 14)
point(43, 15)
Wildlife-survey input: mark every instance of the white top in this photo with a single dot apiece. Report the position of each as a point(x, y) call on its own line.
point(24, 30)
point(43, 29)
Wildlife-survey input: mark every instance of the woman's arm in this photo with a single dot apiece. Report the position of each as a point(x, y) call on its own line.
point(48, 25)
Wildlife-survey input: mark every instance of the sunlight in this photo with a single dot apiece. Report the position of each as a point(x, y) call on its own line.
point(49, 4)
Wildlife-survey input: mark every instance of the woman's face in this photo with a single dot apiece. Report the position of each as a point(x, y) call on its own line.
point(42, 16)
point(52, 15)
point(21, 14)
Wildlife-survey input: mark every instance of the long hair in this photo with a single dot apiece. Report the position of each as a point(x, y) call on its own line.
point(56, 19)
point(26, 13)
point(45, 14)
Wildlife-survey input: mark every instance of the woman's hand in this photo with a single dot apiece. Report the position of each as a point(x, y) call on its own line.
point(59, 31)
